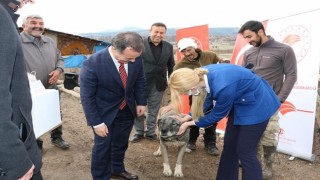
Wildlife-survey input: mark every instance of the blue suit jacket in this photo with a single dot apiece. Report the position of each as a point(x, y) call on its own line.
point(240, 89)
point(102, 91)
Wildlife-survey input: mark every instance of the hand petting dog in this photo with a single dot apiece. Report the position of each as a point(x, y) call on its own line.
point(185, 120)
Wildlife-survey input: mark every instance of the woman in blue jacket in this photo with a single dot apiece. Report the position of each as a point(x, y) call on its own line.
point(240, 94)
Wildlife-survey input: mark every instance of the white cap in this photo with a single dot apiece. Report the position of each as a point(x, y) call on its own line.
point(185, 43)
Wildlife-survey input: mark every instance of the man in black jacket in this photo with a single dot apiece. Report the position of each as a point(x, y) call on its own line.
point(20, 157)
point(158, 65)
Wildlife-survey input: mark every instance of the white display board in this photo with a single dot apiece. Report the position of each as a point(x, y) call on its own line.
point(297, 114)
point(45, 111)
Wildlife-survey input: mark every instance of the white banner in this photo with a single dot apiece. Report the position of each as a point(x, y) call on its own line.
point(297, 114)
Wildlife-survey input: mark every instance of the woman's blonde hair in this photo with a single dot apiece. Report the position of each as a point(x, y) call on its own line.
point(180, 82)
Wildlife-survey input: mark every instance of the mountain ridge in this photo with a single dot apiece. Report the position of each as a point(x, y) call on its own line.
point(213, 31)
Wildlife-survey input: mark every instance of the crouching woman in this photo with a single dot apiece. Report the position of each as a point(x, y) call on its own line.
point(240, 94)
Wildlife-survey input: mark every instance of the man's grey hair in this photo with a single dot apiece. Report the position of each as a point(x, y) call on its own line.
point(26, 18)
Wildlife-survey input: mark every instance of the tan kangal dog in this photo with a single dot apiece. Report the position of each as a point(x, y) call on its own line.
point(168, 126)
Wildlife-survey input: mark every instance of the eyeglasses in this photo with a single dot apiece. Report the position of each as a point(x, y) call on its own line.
point(192, 93)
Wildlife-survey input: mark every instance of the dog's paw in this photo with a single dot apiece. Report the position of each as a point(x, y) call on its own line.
point(187, 150)
point(167, 169)
point(158, 152)
point(178, 171)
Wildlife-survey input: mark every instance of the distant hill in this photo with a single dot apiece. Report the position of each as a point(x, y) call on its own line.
point(223, 31)
point(217, 31)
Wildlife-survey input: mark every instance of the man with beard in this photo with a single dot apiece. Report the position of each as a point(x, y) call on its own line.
point(43, 57)
point(195, 58)
point(276, 63)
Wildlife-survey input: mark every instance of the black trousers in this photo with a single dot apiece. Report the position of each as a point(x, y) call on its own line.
point(209, 132)
point(56, 133)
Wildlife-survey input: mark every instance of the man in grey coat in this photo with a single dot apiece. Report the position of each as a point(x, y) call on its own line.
point(20, 157)
point(43, 57)
point(158, 64)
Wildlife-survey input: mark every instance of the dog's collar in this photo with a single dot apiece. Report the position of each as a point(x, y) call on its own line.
point(181, 135)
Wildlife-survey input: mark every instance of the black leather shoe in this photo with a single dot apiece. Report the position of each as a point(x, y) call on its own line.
point(136, 138)
point(124, 175)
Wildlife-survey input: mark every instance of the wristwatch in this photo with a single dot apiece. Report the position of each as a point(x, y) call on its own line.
point(60, 69)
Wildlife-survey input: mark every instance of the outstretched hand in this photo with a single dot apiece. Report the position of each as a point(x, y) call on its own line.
point(184, 127)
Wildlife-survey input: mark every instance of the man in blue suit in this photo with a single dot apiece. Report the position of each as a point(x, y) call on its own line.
point(111, 100)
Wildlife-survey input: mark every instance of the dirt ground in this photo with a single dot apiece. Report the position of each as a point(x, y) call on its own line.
point(74, 163)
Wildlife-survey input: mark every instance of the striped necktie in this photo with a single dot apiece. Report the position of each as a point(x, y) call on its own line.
point(123, 76)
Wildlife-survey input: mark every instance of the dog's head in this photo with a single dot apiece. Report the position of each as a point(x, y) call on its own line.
point(168, 126)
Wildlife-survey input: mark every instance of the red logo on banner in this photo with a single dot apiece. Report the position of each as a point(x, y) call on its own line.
point(287, 107)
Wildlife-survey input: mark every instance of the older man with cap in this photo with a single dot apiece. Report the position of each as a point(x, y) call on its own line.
point(194, 57)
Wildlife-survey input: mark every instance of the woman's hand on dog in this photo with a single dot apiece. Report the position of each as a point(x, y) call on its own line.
point(183, 117)
point(101, 130)
point(184, 127)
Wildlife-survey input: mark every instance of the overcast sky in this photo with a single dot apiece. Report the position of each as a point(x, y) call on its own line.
point(81, 16)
